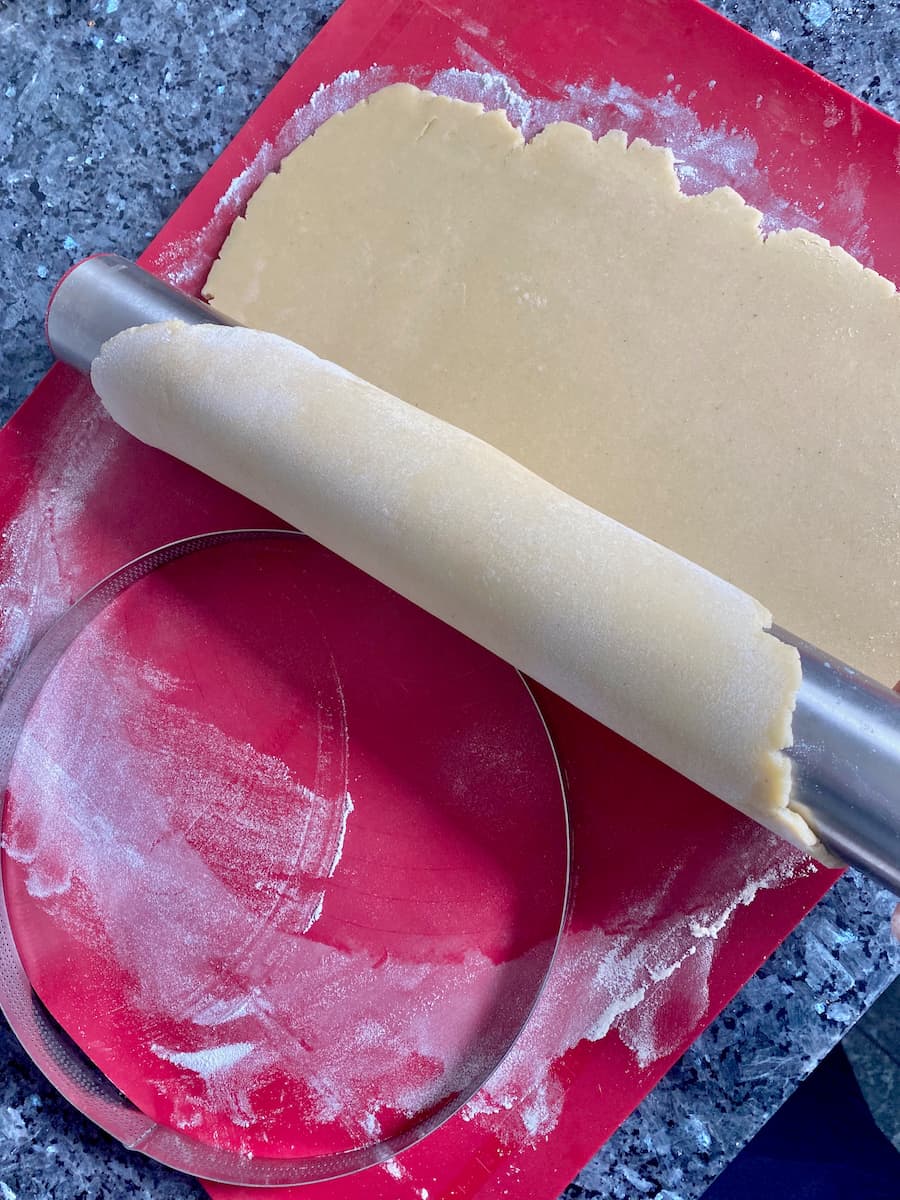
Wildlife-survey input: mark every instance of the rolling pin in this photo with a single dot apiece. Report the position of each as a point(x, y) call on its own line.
point(842, 747)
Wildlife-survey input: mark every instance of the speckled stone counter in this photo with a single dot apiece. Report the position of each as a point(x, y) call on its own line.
point(109, 112)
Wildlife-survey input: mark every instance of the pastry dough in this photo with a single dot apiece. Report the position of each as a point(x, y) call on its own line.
point(732, 398)
point(651, 644)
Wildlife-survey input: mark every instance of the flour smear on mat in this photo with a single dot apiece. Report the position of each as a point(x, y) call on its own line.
point(610, 982)
point(114, 821)
point(35, 587)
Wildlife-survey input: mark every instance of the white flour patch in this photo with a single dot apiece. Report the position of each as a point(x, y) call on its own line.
point(850, 199)
point(833, 114)
point(60, 829)
point(624, 980)
point(394, 1169)
point(206, 1063)
point(142, 821)
point(215, 1067)
point(36, 582)
point(704, 157)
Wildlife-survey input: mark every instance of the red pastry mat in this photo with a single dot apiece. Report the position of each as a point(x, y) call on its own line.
point(677, 899)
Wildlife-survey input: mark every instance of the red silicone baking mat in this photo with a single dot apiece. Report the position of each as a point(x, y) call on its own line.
point(676, 898)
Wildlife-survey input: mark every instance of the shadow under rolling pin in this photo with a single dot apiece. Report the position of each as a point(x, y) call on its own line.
point(846, 727)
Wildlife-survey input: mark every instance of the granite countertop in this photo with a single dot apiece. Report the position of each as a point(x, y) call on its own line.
point(118, 107)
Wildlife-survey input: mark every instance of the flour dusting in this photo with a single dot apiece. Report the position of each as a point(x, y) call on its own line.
point(623, 981)
point(206, 1063)
point(129, 820)
point(705, 157)
point(36, 581)
point(394, 1169)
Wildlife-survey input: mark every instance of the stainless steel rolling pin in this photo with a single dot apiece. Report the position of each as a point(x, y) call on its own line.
point(846, 727)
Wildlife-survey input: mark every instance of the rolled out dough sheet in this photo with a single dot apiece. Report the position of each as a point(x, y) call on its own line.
point(659, 649)
point(732, 398)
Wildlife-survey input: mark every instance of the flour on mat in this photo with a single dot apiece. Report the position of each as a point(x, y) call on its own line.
point(59, 829)
point(347, 1044)
point(215, 1067)
point(35, 585)
point(206, 1063)
point(129, 834)
point(706, 157)
point(621, 980)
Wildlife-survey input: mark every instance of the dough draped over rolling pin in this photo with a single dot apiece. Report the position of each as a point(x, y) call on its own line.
point(731, 395)
point(654, 646)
